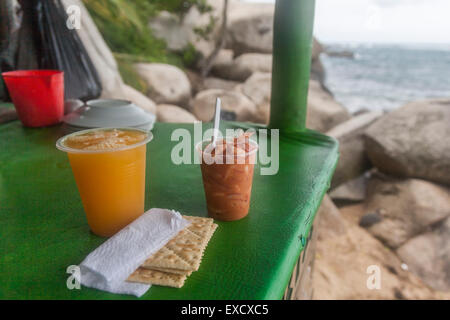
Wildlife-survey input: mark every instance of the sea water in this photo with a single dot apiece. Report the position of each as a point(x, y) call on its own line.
point(384, 77)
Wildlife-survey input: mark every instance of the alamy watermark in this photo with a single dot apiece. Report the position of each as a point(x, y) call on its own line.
point(374, 280)
point(189, 148)
point(73, 17)
point(73, 281)
point(374, 18)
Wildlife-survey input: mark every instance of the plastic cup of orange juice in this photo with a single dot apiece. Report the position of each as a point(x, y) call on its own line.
point(109, 169)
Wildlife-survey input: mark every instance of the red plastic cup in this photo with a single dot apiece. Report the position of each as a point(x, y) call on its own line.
point(38, 95)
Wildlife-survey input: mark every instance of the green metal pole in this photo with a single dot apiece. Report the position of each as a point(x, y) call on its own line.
point(292, 44)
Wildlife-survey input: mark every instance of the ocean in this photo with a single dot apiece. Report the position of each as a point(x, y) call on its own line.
point(384, 77)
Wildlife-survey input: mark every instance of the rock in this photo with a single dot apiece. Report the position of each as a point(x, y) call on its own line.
point(317, 49)
point(353, 160)
point(412, 141)
point(360, 112)
point(353, 212)
point(250, 27)
point(408, 207)
point(101, 56)
point(167, 26)
point(126, 92)
point(217, 83)
point(243, 66)
point(351, 191)
point(249, 63)
point(195, 79)
point(223, 59)
point(258, 89)
point(341, 54)
point(195, 20)
point(224, 56)
point(330, 219)
point(251, 31)
point(203, 104)
point(323, 112)
point(199, 83)
point(167, 83)
point(317, 69)
point(345, 251)
point(428, 256)
point(171, 113)
point(179, 31)
point(369, 219)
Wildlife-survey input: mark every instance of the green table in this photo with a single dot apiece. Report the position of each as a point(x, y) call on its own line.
point(43, 229)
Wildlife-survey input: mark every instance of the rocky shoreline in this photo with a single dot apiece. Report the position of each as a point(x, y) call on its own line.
point(392, 181)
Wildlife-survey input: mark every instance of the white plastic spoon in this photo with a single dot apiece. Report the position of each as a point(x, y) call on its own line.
point(216, 123)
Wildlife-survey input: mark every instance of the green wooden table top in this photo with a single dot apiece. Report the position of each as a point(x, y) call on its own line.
point(43, 228)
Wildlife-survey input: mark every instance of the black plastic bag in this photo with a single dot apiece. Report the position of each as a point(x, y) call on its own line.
point(8, 43)
point(45, 38)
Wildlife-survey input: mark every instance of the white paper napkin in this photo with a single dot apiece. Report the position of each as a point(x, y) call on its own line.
point(107, 267)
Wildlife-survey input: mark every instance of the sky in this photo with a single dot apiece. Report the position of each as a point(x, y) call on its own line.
point(382, 21)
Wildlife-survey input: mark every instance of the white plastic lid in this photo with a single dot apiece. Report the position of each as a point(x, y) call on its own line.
point(101, 113)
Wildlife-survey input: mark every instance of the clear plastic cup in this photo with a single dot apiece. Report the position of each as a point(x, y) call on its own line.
point(111, 182)
point(227, 185)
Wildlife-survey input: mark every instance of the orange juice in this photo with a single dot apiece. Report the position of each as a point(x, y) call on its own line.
point(109, 169)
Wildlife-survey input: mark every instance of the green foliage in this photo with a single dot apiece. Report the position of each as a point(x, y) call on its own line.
point(124, 26)
point(182, 6)
point(189, 55)
point(206, 31)
point(175, 59)
point(129, 74)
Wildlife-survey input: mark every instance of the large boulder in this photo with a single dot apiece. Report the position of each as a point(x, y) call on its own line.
point(428, 256)
point(323, 111)
point(195, 79)
point(258, 89)
point(243, 66)
point(166, 83)
point(344, 253)
point(223, 59)
point(405, 208)
point(179, 31)
point(200, 83)
point(353, 190)
point(234, 102)
point(217, 83)
point(317, 69)
point(353, 160)
point(331, 223)
point(126, 92)
point(317, 49)
point(412, 141)
point(171, 113)
point(168, 26)
point(250, 27)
